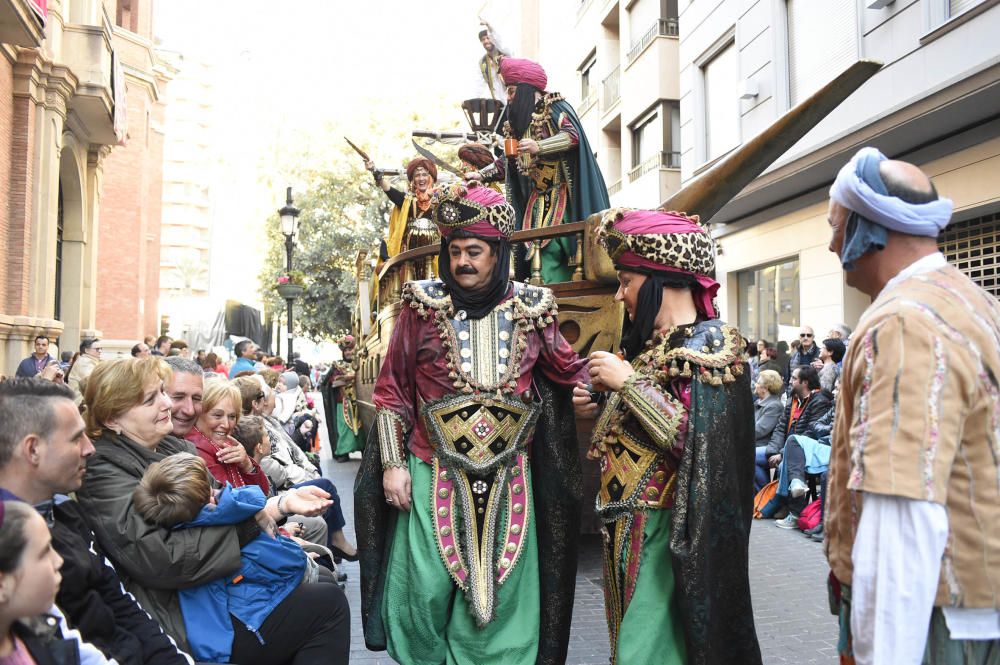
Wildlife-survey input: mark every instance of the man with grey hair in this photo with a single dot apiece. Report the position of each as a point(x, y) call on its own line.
point(839, 331)
point(43, 456)
point(913, 514)
point(186, 387)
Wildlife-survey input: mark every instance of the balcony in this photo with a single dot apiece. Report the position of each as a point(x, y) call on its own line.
point(588, 101)
point(664, 27)
point(664, 160)
point(615, 188)
point(21, 24)
point(87, 52)
point(611, 86)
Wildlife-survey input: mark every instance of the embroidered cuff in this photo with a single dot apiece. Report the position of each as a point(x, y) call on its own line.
point(657, 412)
point(390, 439)
point(488, 172)
point(561, 142)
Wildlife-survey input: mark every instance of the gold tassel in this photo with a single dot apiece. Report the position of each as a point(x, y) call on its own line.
point(687, 370)
point(674, 370)
point(716, 378)
point(727, 376)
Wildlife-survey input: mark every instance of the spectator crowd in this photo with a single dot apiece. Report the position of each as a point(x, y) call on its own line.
point(165, 508)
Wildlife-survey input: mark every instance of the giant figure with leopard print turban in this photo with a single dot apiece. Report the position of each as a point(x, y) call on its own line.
point(468, 506)
point(675, 441)
point(554, 178)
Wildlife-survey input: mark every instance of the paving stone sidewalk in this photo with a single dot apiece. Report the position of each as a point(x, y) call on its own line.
point(788, 584)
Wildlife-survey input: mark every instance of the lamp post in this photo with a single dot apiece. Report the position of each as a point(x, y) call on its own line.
point(289, 226)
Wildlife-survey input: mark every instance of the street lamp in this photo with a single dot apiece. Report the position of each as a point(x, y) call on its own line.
point(289, 226)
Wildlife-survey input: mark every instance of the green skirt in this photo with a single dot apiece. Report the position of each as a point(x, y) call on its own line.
point(426, 616)
point(347, 440)
point(653, 609)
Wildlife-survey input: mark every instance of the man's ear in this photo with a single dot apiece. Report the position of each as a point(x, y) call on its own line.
point(30, 449)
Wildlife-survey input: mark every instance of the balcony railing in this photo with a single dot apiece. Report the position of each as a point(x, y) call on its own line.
point(588, 101)
point(612, 89)
point(664, 27)
point(615, 188)
point(663, 160)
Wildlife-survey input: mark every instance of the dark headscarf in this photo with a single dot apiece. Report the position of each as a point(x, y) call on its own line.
point(639, 331)
point(521, 108)
point(477, 304)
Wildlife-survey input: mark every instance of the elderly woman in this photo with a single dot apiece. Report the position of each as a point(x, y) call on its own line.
point(767, 412)
point(227, 460)
point(128, 417)
point(287, 467)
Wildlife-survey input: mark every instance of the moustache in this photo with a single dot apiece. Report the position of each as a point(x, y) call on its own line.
point(466, 270)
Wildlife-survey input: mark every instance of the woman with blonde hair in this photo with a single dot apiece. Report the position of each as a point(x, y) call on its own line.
point(226, 457)
point(767, 410)
point(128, 417)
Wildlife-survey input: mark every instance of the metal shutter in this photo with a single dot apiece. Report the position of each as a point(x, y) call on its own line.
point(973, 246)
point(822, 42)
point(956, 7)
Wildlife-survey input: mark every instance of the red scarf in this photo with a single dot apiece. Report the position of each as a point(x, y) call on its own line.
point(233, 474)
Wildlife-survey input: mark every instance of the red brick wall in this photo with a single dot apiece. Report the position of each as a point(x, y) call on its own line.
point(6, 129)
point(128, 263)
point(20, 140)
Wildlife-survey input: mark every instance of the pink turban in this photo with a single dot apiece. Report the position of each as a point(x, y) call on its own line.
point(516, 70)
point(475, 209)
point(664, 242)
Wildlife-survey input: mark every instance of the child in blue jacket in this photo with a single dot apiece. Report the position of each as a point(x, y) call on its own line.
point(177, 493)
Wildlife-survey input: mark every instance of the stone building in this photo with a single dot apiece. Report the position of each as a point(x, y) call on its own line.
point(77, 79)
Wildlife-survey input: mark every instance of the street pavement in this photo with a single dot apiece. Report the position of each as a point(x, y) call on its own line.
point(787, 580)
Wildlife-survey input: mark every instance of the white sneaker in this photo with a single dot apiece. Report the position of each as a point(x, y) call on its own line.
point(797, 488)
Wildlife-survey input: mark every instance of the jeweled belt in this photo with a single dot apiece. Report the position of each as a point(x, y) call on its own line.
point(480, 473)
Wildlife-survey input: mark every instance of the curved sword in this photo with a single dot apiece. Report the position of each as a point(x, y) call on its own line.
point(424, 152)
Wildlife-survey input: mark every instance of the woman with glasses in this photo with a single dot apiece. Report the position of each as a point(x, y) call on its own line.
point(83, 365)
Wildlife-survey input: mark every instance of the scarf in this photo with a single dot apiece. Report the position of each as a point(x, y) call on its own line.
point(233, 475)
point(477, 304)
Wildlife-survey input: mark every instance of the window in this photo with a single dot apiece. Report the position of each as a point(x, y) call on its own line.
point(769, 299)
point(588, 84)
point(973, 246)
point(127, 15)
point(956, 7)
point(648, 19)
point(656, 139)
point(822, 42)
point(722, 111)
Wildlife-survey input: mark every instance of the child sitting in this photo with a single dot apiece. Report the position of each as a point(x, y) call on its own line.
point(32, 630)
point(176, 492)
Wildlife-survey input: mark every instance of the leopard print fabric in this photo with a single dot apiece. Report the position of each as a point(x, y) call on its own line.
point(691, 252)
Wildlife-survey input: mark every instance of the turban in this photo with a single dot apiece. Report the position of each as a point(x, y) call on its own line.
point(662, 242)
point(479, 210)
point(860, 189)
point(424, 162)
point(476, 154)
point(516, 70)
point(345, 342)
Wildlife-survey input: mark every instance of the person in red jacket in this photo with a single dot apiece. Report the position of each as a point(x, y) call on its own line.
point(226, 458)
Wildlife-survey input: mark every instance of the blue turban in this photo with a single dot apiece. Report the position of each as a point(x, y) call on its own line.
point(860, 189)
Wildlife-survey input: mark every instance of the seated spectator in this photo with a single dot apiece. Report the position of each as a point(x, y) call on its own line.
point(769, 361)
point(245, 352)
point(292, 401)
point(807, 404)
point(177, 493)
point(179, 347)
point(767, 412)
point(31, 628)
point(211, 363)
point(36, 362)
point(840, 331)
point(41, 415)
point(806, 351)
point(129, 417)
point(286, 465)
point(86, 361)
point(226, 458)
point(831, 353)
point(140, 350)
point(808, 452)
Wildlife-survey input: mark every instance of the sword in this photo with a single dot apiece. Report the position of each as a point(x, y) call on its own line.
point(364, 155)
point(437, 160)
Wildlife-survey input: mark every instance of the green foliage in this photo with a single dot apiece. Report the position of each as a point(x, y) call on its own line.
point(342, 214)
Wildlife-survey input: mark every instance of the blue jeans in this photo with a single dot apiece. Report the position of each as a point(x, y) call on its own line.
point(334, 515)
point(761, 473)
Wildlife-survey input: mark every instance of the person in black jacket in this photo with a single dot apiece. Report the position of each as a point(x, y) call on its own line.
point(43, 455)
point(807, 404)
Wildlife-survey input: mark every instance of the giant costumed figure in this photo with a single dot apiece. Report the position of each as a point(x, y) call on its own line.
point(675, 442)
point(554, 177)
point(480, 525)
point(340, 403)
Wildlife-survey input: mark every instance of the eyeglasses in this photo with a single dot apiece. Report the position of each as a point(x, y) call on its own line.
point(805, 334)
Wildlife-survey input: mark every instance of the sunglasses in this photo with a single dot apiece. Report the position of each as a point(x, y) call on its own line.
point(805, 334)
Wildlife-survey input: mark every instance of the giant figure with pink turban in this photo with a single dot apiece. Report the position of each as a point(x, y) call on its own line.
point(468, 502)
point(554, 178)
point(675, 442)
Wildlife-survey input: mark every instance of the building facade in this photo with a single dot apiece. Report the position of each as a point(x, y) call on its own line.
point(934, 103)
point(64, 69)
point(617, 63)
